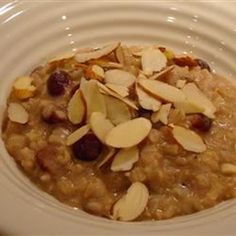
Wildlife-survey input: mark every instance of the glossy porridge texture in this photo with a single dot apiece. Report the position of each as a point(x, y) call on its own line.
point(179, 181)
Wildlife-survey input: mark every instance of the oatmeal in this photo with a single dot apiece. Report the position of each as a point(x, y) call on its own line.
point(127, 133)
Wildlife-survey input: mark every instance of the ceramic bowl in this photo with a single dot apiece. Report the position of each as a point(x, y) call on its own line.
point(32, 31)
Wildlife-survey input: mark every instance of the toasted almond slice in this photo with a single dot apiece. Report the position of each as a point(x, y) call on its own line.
point(119, 77)
point(76, 109)
point(129, 59)
point(137, 50)
point(23, 88)
point(162, 73)
point(100, 125)
point(162, 90)
point(106, 64)
point(120, 55)
point(188, 139)
point(131, 205)
point(23, 82)
point(98, 70)
point(196, 97)
point(85, 49)
point(228, 168)
point(119, 89)
point(188, 107)
point(162, 114)
point(86, 56)
point(153, 60)
point(106, 155)
point(180, 83)
point(146, 101)
point(108, 91)
point(25, 93)
point(125, 159)
point(129, 134)
point(17, 113)
point(63, 56)
point(90, 74)
point(93, 98)
point(117, 111)
point(77, 135)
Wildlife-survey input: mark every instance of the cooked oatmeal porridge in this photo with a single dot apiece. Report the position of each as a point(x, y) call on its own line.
point(127, 133)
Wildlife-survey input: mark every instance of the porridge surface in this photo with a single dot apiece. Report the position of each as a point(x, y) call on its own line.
point(178, 181)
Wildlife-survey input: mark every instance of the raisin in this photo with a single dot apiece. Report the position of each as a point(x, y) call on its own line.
point(185, 61)
point(88, 148)
point(200, 122)
point(144, 113)
point(203, 64)
point(57, 82)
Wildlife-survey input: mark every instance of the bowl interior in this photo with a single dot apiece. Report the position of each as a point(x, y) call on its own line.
point(31, 33)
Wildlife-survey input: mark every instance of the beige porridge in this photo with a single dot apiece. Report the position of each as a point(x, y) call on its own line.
point(127, 133)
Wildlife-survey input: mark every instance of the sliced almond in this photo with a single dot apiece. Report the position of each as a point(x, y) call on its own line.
point(132, 204)
point(125, 159)
point(117, 111)
point(180, 83)
point(228, 168)
point(188, 107)
point(86, 56)
point(162, 73)
point(162, 114)
point(77, 135)
point(146, 101)
point(100, 125)
point(136, 50)
point(17, 113)
point(162, 90)
point(120, 55)
point(119, 77)
point(25, 93)
point(94, 99)
point(106, 64)
point(108, 91)
point(188, 139)
point(98, 70)
point(63, 56)
point(76, 109)
point(119, 89)
point(195, 96)
point(129, 59)
point(106, 155)
point(23, 87)
point(90, 74)
point(129, 134)
point(85, 49)
point(153, 60)
point(23, 82)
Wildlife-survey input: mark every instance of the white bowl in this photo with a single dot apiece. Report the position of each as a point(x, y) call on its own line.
point(31, 32)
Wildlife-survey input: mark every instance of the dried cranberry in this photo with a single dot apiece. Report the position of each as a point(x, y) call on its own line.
point(57, 82)
point(88, 148)
point(200, 122)
point(203, 64)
